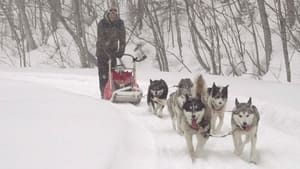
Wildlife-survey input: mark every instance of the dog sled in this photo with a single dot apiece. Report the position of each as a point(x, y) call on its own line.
point(121, 86)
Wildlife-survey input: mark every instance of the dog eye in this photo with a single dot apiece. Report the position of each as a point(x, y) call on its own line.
point(240, 116)
point(247, 115)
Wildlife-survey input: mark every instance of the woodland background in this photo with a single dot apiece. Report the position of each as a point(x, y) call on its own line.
point(225, 37)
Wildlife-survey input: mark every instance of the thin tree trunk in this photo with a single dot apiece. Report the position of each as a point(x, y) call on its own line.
point(43, 30)
point(83, 56)
point(291, 12)
point(178, 30)
point(282, 23)
point(9, 16)
point(53, 17)
point(31, 45)
point(267, 32)
point(194, 29)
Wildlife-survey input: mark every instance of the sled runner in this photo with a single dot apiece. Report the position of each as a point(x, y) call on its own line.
point(121, 86)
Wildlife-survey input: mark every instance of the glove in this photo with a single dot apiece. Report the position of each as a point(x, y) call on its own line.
point(119, 54)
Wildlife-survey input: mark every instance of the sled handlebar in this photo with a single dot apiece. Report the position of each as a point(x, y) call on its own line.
point(135, 59)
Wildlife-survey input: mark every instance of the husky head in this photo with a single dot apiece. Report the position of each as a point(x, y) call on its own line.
point(243, 114)
point(218, 96)
point(193, 110)
point(158, 88)
point(185, 87)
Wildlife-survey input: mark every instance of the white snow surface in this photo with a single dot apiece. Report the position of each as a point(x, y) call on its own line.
point(54, 119)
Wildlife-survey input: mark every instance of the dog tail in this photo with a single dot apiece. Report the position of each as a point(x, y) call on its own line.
point(200, 88)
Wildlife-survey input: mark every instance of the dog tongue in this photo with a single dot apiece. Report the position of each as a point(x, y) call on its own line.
point(247, 128)
point(194, 124)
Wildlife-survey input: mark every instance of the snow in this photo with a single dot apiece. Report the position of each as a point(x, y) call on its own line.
point(53, 118)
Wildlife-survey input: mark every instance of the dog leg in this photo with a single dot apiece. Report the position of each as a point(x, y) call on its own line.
point(174, 119)
point(221, 121)
point(241, 144)
point(200, 144)
point(155, 107)
point(152, 105)
point(213, 123)
point(179, 125)
point(253, 149)
point(189, 142)
point(237, 142)
point(160, 109)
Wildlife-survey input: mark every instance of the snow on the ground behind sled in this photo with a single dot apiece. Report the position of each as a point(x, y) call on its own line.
point(42, 127)
point(278, 135)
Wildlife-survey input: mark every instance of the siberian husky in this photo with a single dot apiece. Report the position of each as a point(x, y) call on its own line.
point(195, 121)
point(244, 121)
point(157, 96)
point(176, 100)
point(217, 99)
point(196, 118)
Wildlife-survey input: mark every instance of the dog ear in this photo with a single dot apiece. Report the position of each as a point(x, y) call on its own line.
point(180, 83)
point(209, 90)
point(236, 102)
point(214, 85)
point(225, 91)
point(151, 81)
point(250, 101)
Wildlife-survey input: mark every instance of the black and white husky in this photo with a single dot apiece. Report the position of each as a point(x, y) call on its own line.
point(157, 96)
point(217, 99)
point(195, 121)
point(196, 118)
point(176, 100)
point(244, 121)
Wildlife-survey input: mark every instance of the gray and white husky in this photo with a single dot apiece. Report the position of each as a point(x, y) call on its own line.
point(195, 121)
point(176, 100)
point(157, 96)
point(217, 100)
point(244, 121)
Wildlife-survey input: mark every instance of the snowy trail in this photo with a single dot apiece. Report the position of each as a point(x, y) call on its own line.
point(278, 134)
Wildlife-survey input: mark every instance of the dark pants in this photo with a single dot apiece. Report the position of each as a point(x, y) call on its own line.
point(103, 72)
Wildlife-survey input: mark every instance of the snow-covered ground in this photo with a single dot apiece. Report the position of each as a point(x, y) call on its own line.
point(53, 118)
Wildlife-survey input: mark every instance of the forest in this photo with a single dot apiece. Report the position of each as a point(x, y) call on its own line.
point(225, 37)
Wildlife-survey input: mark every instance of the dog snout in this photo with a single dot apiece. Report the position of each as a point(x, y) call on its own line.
point(244, 124)
point(193, 116)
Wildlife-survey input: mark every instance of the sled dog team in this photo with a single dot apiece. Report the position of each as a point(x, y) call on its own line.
point(197, 110)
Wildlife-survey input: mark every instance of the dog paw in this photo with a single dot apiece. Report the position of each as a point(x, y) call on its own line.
point(236, 152)
point(253, 160)
point(180, 132)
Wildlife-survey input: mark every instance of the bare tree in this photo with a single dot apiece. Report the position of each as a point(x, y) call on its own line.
point(31, 45)
point(6, 8)
point(283, 35)
point(267, 32)
point(42, 25)
point(194, 29)
point(53, 17)
point(86, 58)
point(291, 12)
point(157, 31)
